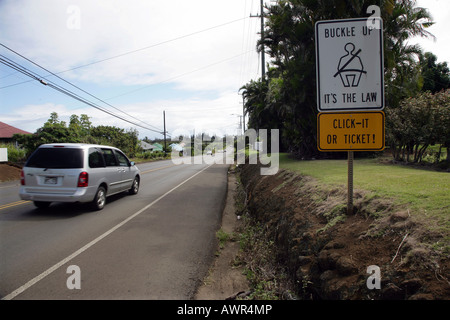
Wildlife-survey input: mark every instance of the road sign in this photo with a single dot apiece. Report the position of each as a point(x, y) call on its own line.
point(350, 131)
point(349, 62)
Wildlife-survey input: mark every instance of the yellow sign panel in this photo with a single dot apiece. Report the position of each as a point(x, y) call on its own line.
point(350, 131)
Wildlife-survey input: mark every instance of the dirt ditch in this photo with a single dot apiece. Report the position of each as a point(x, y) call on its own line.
point(377, 253)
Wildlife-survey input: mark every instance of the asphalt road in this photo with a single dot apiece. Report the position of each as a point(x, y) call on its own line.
point(157, 244)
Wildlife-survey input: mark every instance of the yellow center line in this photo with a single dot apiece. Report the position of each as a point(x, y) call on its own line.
point(13, 204)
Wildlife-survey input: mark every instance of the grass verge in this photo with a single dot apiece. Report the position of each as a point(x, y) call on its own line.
point(424, 192)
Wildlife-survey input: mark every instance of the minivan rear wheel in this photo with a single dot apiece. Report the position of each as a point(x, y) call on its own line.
point(100, 199)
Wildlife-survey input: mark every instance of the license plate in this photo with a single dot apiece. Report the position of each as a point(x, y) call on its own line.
point(51, 180)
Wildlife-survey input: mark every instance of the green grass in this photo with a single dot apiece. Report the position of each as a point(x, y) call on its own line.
point(426, 192)
point(223, 237)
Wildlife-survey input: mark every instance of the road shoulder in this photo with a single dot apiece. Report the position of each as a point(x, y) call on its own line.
point(225, 279)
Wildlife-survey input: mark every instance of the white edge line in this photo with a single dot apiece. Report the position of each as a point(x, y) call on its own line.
point(50, 270)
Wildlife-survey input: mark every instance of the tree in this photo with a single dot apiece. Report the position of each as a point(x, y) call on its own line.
point(418, 123)
point(254, 94)
point(53, 131)
point(81, 125)
point(436, 76)
point(401, 21)
point(80, 129)
point(127, 141)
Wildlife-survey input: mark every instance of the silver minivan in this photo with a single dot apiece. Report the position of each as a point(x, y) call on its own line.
point(70, 172)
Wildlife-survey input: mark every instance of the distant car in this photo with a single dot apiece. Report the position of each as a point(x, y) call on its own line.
point(69, 172)
point(209, 152)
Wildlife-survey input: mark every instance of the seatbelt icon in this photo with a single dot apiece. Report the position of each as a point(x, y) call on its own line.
point(350, 67)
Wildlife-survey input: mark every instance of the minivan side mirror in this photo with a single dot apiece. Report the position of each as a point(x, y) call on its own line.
point(132, 163)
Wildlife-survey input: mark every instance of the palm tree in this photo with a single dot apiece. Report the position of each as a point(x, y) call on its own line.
point(402, 73)
point(254, 94)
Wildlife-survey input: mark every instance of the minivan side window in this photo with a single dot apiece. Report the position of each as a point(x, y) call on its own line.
point(123, 161)
point(110, 159)
point(96, 158)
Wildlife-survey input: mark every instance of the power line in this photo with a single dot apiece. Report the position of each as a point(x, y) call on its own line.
point(10, 63)
point(247, 44)
point(261, 15)
point(72, 84)
point(181, 75)
point(160, 43)
point(137, 50)
point(63, 90)
point(44, 81)
point(39, 78)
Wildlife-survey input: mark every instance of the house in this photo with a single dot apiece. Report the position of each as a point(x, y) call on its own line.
point(147, 146)
point(7, 132)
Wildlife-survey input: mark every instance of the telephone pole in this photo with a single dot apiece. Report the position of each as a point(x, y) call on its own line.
point(243, 113)
point(164, 119)
point(263, 62)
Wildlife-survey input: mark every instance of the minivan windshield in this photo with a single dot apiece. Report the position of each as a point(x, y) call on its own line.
point(56, 158)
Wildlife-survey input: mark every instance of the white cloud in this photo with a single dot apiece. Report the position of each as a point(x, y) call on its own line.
point(213, 116)
point(35, 115)
point(440, 12)
point(109, 28)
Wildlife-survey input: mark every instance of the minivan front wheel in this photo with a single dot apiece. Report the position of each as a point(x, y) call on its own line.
point(100, 199)
point(135, 186)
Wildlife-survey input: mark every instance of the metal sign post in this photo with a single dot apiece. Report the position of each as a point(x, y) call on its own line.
point(350, 184)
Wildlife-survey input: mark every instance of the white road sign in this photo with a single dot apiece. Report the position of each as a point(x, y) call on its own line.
point(349, 60)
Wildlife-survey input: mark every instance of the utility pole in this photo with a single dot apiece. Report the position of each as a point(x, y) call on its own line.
point(240, 121)
point(263, 62)
point(164, 119)
point(243, 113)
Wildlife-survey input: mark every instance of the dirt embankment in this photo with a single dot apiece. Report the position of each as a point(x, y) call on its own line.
point(327, 253)
point(9, 172)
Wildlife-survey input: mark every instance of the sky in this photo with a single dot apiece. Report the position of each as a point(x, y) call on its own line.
point(139, 58)
point(440, 13)
point(187, 58)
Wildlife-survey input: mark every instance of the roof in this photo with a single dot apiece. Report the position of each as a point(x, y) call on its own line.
point(146, 146)
point(7, 131)
point(75, 145)
point(158, 146)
